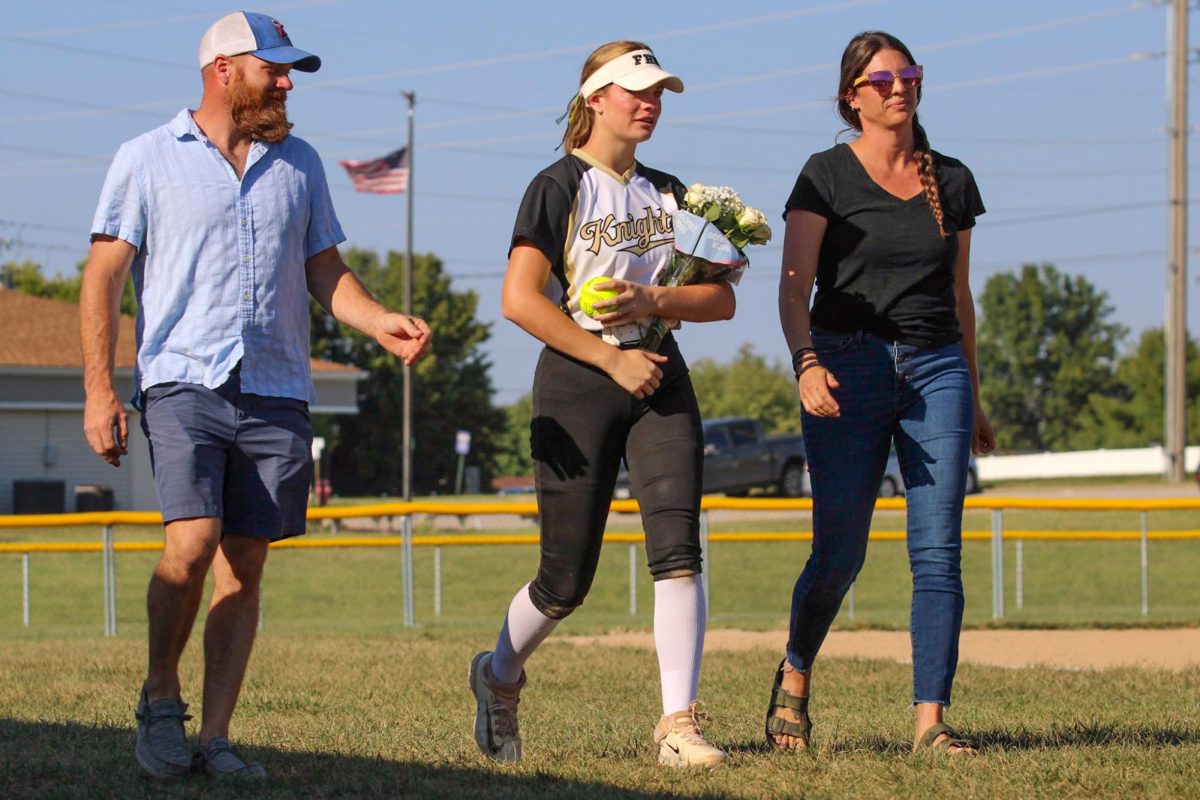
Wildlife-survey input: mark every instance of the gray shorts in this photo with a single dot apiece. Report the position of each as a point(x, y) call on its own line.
point(244, 458)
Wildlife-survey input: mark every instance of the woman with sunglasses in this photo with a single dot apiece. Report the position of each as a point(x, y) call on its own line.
point(600, 215)
point(885, 358)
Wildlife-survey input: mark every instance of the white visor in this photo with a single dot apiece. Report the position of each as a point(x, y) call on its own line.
point(634, 71)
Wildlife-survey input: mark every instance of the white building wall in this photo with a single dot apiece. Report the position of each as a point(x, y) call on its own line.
point(50, 445)
point(20, 452)
point(41, 434)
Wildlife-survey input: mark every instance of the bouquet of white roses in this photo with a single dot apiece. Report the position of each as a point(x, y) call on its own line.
point(710, 229)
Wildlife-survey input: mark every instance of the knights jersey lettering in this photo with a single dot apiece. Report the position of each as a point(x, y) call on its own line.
point(590, 222)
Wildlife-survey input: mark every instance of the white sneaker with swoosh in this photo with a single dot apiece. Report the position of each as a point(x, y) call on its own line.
point(681, 744)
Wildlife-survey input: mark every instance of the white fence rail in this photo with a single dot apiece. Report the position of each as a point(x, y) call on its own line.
point(1081, 464)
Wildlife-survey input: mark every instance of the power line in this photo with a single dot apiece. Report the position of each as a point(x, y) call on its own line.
point(93, 109)
point(515, 113)
point(697, 120)
point(22, 244)
point(511, 200)
point(989, 81)
point(1044, 73)
point(1037, 27)
point(149, 23)
point(1082, 212)
point(37, 226)
point(88, 51)
point(480, 63)
point(1128, 255)
point(510, 113)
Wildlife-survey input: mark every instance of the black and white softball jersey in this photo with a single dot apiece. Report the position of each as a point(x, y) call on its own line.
point(590, 222)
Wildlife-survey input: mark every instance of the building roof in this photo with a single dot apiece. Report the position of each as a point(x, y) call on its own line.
point(37, 332)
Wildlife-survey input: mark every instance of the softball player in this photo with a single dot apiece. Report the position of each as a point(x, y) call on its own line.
point(597, 397)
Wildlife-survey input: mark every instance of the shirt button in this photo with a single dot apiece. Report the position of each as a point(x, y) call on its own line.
point(246, 296)
point(245, 259)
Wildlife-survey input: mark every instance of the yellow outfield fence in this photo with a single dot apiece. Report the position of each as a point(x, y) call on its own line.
point(528, 508)
point(468, 539)
point(407, 541)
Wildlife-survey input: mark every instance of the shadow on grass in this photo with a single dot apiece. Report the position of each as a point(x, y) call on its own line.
point(877, 745)
point(42, 759)
point(1086, 734)
point(1059, 737)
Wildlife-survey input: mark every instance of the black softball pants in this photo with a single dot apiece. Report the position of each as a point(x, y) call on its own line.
point(583, 423)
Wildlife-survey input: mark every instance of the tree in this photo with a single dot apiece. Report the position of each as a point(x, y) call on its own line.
point(513, 455)
point(451, 388)
point(748, 387)
point(1132, 416)
point(27, 277)
point(1046, 346)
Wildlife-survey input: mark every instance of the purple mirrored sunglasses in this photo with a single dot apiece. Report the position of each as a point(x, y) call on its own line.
point(883, 80)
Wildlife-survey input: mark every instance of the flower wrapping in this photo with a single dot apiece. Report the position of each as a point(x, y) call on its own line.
point(710, 231)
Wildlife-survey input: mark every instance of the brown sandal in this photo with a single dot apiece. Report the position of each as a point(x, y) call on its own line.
point(953, 739)
point(778, 726)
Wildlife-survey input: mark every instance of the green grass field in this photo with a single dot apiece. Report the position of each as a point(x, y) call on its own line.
point(390, 716)
point(342, 700)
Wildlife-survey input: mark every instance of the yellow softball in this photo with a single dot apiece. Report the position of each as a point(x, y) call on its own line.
point(589, 295)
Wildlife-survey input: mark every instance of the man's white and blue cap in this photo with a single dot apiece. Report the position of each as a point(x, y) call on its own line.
point(257, 34)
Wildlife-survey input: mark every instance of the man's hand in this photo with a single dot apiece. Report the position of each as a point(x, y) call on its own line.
point(403, 336)
point(106, 426)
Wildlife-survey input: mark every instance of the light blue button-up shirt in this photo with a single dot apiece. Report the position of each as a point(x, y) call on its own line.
point(219, 270)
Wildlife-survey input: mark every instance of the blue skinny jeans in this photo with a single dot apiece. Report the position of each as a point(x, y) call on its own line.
point(920, 398)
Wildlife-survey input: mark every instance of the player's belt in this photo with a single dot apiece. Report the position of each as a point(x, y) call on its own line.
point(626, 337)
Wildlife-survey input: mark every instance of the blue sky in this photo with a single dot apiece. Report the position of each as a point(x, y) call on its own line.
point(1059, 109)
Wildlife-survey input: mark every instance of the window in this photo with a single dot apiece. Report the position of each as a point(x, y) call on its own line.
point(743, 433)
point(716, 440)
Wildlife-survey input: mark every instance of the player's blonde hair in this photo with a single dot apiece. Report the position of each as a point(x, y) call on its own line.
point(579, 116)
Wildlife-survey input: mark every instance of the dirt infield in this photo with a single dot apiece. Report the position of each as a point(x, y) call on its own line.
point(1175, 649)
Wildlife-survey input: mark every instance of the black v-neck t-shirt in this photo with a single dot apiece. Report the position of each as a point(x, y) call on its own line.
point(883, 268)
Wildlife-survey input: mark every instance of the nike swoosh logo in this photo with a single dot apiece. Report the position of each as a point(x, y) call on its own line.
point(672, 748)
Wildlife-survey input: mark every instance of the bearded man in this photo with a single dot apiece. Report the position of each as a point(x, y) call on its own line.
point(225, 221)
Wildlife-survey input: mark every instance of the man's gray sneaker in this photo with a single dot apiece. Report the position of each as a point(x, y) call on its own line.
point(162, 747)
point(220, 759)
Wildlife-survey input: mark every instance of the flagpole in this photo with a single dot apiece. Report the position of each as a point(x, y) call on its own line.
point(411, 97)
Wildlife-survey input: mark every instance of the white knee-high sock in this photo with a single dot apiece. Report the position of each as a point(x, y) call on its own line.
point(679, 619)
point(524, 629)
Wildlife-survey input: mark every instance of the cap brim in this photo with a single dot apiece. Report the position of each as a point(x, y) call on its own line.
point(305, 62)
point(646, 77)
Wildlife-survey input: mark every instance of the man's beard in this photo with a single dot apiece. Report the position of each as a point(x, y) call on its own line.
point(258, 115)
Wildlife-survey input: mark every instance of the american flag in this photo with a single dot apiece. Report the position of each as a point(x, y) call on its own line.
point(387, 175)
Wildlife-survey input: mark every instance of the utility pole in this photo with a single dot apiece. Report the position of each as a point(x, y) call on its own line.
point(406, 434)
point(1175, 434)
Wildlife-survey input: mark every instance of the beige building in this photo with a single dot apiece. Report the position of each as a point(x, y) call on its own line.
point(41, 410)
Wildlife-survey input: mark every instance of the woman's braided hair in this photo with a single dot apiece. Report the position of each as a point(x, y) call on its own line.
point(855, 58)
